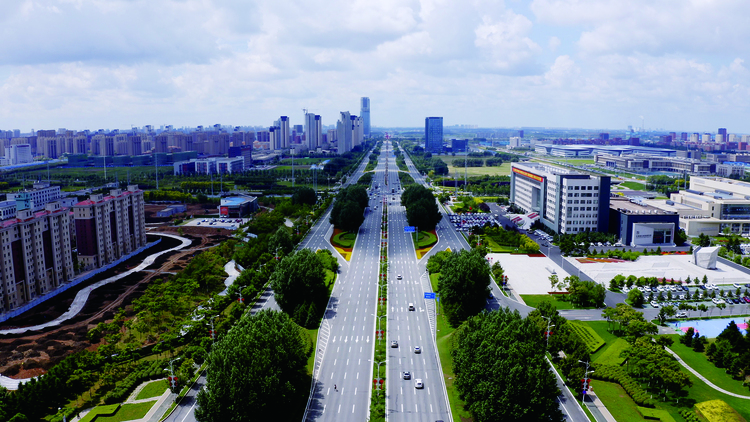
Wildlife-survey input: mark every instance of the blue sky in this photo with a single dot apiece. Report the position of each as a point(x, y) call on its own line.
point(681, 64)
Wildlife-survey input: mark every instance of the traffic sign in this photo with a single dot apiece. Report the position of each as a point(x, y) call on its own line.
point(409, 229)
point(429, 295)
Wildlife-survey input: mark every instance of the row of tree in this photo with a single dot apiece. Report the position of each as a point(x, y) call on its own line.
point(580, 293)
point(421, 209)
point(348, 211)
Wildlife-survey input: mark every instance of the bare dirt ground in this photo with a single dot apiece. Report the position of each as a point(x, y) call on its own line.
point(31, 354)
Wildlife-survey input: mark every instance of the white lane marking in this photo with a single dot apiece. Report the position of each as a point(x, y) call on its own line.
point(324, 407)
point(352, 408)
point(357, 378)
point(339, 408)
point(355, 391)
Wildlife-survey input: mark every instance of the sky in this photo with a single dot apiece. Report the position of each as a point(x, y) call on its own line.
point(88, 64)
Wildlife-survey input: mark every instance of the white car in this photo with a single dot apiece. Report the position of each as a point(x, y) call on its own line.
point(398, 277)
point(417, 349)
point(736, 285)
point(418, 383)
point(654, 304)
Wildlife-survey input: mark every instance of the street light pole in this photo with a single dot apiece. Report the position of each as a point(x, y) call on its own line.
point(585, 380)
point(378, 363)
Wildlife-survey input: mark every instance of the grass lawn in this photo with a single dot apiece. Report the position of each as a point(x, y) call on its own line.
point(633, 185)
point(700, 363)
point(152, 389)
point(618, 402)
point(444, 344)
point(502, 170)
point(611, 352)
point(600, 327)
point(311, 360)
point(128, 412)
point(426, 239)
point(535, 300)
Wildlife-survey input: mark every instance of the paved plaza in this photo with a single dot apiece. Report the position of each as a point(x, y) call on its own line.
point(528, 275)
point(669, 266)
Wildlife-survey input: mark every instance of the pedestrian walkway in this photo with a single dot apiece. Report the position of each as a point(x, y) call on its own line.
point(598, 409)
point(702, 378)
point(231, 269)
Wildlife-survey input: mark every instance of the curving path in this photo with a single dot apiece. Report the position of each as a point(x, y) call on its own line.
point(82, 297)
point(702, 378)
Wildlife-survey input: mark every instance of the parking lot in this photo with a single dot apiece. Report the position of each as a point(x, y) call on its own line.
point(464, 222)
point(220, 223)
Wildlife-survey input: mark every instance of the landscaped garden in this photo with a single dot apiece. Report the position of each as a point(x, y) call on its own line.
point(343, 242)
point(427, 239)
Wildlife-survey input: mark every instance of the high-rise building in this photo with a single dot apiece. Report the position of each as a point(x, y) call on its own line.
point(706, 138)
point(18, 154)
point(37, 253)
point(311, 131)
point(721, 136)
point(109, 227)
point(567, 201)
point(344, 132)
point(433, 134)
point(364, 111)
point(357, 131)
point(283, 135)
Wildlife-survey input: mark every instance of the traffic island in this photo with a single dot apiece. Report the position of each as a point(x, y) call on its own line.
point(423, 245)
point(379, 370)
point(343, 242)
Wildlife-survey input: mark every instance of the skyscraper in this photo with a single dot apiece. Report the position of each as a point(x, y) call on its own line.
point(364, 112)
point(722, 135)
point(433, 134)
point(311, 131)
point(344, 132)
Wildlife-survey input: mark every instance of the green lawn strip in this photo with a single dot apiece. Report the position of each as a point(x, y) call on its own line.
point(128, 412)
point(634, 185)
point(611, 353)
point(426, 239)
point(700, 392)
point(345, 239)
point(152, 389)
point(618, 402)
point(600, 327)
point(535, 300)
point(700, 363)
point(311, 360)
point(100, 410)
point(593, 341)
point(657, 414)
point(444, 345)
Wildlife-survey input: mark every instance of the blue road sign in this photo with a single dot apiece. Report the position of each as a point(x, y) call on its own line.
point(429, 295)
point(409, 229)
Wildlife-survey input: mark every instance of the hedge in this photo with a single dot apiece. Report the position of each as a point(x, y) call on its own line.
point(617, 374)
point(144, 371)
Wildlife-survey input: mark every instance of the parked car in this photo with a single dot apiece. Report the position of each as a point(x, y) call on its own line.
point(655, 304)
point(681, 314)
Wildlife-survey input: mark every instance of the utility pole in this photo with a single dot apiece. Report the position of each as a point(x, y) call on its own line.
point(585, 380)
point(156, 169)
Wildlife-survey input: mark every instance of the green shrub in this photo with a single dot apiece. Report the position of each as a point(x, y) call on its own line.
point(617, 374)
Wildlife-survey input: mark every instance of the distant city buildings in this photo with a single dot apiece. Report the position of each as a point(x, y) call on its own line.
point(364, 111)
point(433, 134)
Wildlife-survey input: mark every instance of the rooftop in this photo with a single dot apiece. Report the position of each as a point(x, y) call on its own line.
point(636, 206)
point(235, 200)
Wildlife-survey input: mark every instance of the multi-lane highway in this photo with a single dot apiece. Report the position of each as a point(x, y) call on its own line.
point(410, 328)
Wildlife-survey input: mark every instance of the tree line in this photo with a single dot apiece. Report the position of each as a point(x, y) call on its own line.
point(348, 211)
point(421, 208)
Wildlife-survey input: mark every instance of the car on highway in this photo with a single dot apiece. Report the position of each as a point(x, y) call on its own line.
point(418, 383)
point(411, 306)
point(417, 349)
point(398, 277)
point(394, 343)
point(407, 375)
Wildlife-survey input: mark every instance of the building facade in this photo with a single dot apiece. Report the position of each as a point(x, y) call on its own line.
point(433, 134)
point(37, 253)
point(566, 201)
point(636, 223)
point(364, 111)
point(109, 227)
point(40, 194)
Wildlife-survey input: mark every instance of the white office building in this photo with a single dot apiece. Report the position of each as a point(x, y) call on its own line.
point(566, 201)
point(18, 154)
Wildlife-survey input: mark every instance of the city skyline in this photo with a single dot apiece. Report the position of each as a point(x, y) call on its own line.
point(543, 63)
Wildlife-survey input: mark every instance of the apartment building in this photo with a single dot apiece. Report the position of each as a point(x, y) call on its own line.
point(37, 255)
point(40, 194)
point(109, 227)
point(567, 201)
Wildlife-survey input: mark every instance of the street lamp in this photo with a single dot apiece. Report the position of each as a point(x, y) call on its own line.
point(585, 380)
point(378, 317)
point(378, 363)
point(549, 325)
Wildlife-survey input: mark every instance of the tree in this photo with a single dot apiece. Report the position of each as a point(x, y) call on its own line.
point(687, 339)
point(500, 369)
point(703, 240)
point(304, 195)
point(464, 285)
point(257, 371)
point(282, 241)
point(298, 281)
point(636, 298)
point(721, 307)
point(421, 209)
point(584, 293)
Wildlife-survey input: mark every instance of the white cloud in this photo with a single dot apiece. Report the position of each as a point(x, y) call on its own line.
point(505, 41)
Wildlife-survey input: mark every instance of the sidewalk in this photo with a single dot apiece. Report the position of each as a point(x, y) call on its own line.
point(598, 409)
